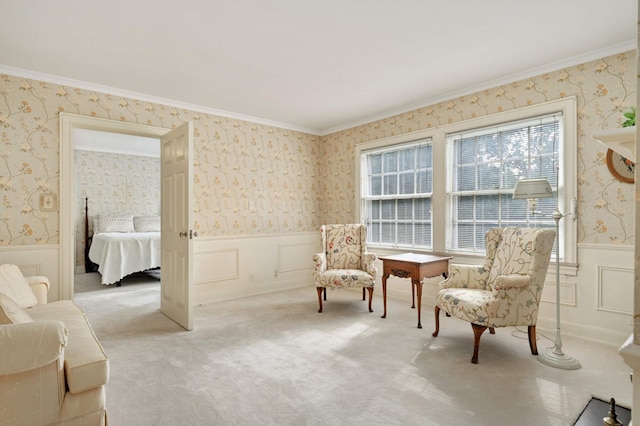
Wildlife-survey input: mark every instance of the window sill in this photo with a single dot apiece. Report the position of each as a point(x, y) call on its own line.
point(567, 269)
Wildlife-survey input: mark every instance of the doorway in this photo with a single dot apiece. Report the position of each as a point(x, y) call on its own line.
point(69, 123)
point(116, 174)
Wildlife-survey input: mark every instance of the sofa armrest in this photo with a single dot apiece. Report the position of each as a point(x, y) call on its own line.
point(40, 287)
point(30, 345)
point(466, 276)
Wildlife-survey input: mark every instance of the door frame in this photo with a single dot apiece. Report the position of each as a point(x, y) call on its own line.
point(69, 122)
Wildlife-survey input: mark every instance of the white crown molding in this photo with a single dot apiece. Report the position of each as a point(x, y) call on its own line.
point(554, 66)
point(550, 67)
point(54, 79)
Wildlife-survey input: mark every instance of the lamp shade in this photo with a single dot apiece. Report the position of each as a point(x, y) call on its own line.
point(532, 188)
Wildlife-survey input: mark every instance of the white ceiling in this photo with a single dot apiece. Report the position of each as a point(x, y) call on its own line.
point(311, 65)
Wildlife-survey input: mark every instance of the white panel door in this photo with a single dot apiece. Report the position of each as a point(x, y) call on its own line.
point(177, 234)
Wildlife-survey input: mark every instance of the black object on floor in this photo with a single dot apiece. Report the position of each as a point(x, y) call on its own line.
point(598, 409)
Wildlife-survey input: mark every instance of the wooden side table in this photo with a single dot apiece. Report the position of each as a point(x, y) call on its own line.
point(416, 267)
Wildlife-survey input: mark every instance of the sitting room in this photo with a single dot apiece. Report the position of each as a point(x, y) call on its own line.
point(488, 147)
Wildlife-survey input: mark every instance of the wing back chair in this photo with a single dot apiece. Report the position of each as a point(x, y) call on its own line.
point(505, 290)
point(344, 260)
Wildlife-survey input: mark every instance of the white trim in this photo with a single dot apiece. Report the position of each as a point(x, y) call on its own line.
point(600, 246)
point(30, 247)
point(226, 268)
point(497, 82)
point(93, 87)
point(118, 151)
point(491, 84)
point(602, 290)
point(253, 237)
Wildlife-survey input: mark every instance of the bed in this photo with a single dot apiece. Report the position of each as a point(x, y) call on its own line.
point(121, 244)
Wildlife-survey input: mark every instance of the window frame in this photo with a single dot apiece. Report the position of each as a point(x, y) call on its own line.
point(441, 204)
point(364, 186)
point(500, 192)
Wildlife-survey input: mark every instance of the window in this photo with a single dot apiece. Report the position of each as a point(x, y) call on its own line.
point(396, 194)
point(486, 163)
point(439, 189)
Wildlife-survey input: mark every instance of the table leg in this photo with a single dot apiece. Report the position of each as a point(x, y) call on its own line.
point(384, 294)
point(418, 285)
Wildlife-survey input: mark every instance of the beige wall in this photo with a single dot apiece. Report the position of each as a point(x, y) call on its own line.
point(603, 88)
point(297, 181)
point(235, 162)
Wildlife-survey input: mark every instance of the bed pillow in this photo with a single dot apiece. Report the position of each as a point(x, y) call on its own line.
point(146, 223)
point(10, 312)
point(15, 285)
point(120, 222)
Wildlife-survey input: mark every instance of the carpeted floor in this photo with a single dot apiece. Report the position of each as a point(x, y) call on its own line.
point(273, 360)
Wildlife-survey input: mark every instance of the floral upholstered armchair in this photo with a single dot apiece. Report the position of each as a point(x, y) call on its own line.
point(344, 261)
point(505, 290)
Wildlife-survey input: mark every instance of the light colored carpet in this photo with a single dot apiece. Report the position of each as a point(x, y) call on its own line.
point(273, 360)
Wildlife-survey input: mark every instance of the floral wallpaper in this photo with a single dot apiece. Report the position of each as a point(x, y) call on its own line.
point(114, 183)
point(237, 164)
point(604, 89)
point(256, 179)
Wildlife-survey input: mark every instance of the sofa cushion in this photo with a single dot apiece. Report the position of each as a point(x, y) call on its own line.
point(345, 278)
point(85, 363)
point(88, 405)
point(15, 285)
point(10, 312)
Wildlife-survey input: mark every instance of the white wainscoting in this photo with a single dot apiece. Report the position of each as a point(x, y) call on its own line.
point(596, 302)
point(239, 266)
point(36, 260)
point(602, 307)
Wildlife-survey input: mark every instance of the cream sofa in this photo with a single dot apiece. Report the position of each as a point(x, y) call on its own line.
point(53, 370)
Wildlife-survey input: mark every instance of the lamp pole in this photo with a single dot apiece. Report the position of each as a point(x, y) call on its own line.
point(554, 357)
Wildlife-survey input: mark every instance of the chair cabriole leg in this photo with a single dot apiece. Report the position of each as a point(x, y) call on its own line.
point(477, 332)
point(370, 290)
point(319, 289)
point(533, 345)
point(437, 312)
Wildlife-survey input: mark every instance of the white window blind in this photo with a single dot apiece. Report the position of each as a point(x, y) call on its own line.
point(397, 183)
point(485, 165)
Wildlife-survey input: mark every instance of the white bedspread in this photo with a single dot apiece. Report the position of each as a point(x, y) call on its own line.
point(119, 254)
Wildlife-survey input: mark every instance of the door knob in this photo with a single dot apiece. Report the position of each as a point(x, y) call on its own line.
point(183, 234)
